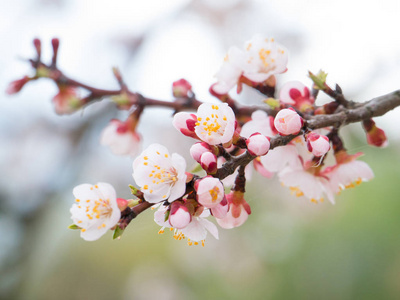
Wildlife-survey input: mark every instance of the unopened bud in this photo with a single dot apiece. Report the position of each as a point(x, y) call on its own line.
point(375, 136)
point(288, 121)
point(179, 216)
point(318, 144)
point(198, 149)
point(17, 85)
point(208, 162)
point(122, 203)
point(181, 88)
point(185, 123)
point(258, 144)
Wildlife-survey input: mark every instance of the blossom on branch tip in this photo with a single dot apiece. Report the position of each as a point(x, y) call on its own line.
point(95, 209)
point(317, 144)
point(230, 72)
point(297, 94)
point(159, 175)
point(210, 191)
point(265, 58)
point(287, 121)
point(121, 138)
point(260, 59)
point(215, 123)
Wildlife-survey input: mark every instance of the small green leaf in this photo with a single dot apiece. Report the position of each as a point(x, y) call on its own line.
point(73, 226)
point(197, 169)
point(133, 190)
point(272, 102)
point(118, 232)
point(319, 79)
point(166, 216)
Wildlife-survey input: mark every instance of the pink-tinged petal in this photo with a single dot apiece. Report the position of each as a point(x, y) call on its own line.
point(230, 222)
point(185, 123)
point(210, 227)
point(258, 166)
point(220, 210)
point(278, 158)
point(195, 231)
point(260, 122)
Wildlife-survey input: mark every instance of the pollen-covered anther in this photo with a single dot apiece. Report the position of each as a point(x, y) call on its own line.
point(296, 191)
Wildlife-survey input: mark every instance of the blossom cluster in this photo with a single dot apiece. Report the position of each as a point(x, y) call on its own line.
point(229, 141)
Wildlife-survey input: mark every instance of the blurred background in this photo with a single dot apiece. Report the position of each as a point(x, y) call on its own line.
point(288, 249)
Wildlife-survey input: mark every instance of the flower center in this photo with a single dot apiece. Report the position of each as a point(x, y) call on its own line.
point(214, 123)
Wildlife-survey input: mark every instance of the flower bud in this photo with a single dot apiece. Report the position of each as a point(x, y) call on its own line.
point(66, 101)
point(185, 123)
point(257, 144)
point(318, 144)
point(122, 203)
point(375, 136)
point(181, 88)
point(288, 121)
point(17, 85)
point(179, 216)
point(198, 149)
point(208, 162)
point(210, 191)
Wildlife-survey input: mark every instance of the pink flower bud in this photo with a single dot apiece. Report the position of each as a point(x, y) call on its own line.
point(122, 203)
point(375, 136)
point(179, 216)
point(210, 191)
point(257, 144)
point(185, 123)
point(66, 101)
point(17, 85)
point(198, 149)
point(288, 121)
point(181, 88)
point(208, 162)
point(317, 144)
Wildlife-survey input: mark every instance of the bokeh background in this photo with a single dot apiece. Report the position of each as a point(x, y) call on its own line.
point(288, 249)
